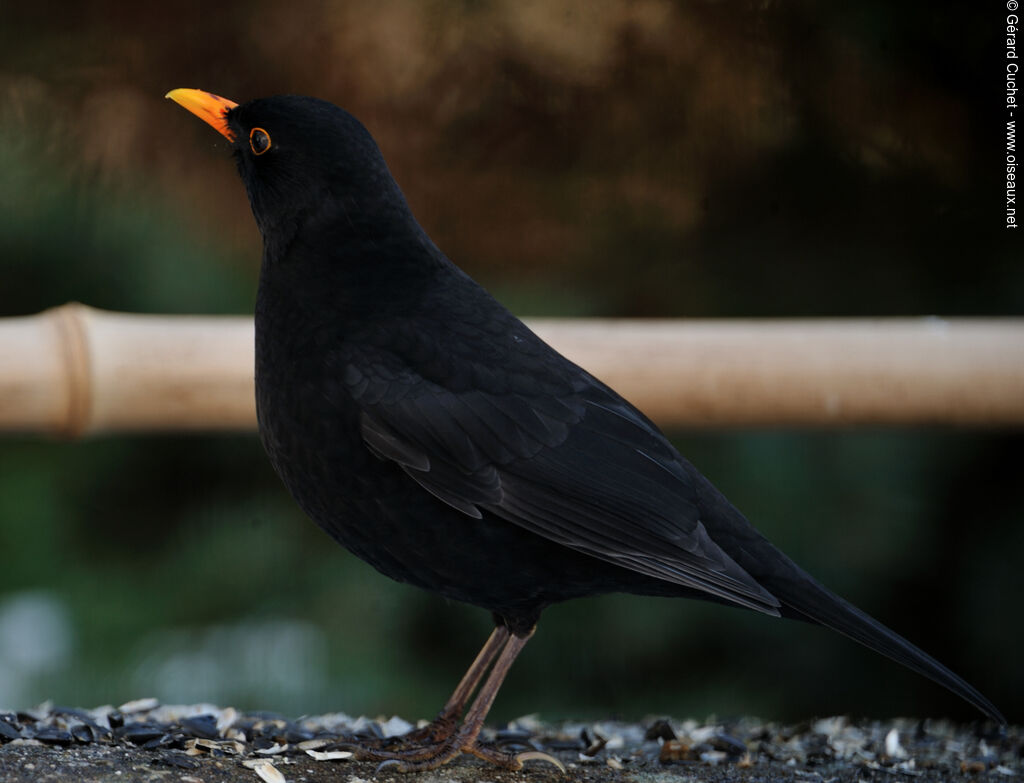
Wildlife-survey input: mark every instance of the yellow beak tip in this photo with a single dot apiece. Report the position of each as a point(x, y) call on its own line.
point(211, 109)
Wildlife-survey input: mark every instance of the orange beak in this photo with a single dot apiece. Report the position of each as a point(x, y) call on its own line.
point(210, 108)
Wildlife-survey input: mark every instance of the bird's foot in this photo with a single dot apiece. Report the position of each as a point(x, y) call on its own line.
point(434, 756)
point(422, 739)
point(434, 733)
point(444, 739)
point(436, 744)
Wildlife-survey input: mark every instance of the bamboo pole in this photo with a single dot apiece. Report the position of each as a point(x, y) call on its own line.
point(74, 370)
point(808, 372)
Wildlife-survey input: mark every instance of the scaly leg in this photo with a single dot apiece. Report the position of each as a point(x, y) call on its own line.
point(465, 739)
point(428, 741)
point(443, 726)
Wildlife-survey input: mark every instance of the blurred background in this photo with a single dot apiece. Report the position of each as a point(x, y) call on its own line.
point(578, 157)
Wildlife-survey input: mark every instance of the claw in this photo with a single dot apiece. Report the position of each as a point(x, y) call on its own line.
point(398, 765)
point(536, 755)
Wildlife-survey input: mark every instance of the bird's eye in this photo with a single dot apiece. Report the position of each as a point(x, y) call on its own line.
point(259, 141)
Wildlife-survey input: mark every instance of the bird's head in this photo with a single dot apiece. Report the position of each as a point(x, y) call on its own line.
point(305, 162)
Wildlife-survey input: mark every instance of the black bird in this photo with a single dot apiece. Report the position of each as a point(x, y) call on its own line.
point(430, 432)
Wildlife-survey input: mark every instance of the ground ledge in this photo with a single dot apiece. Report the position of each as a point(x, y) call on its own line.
point(201, 743)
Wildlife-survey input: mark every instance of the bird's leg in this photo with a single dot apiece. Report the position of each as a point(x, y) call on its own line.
point(465, 739)
point(424, 742)
point(443, 726)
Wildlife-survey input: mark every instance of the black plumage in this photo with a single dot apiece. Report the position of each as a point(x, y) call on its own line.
point(429, 431)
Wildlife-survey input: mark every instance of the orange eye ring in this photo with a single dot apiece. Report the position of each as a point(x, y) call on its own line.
point(259, 141)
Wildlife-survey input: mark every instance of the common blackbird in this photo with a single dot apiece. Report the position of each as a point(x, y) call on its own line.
point(430, 432)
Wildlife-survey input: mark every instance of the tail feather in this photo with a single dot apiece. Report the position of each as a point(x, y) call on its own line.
point(805, 598)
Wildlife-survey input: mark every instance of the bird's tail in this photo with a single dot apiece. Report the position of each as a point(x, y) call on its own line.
point(805, 598)
point(802, 597)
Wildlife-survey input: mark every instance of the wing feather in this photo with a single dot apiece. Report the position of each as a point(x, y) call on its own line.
point(589, 472)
